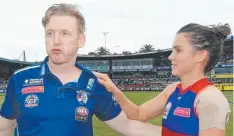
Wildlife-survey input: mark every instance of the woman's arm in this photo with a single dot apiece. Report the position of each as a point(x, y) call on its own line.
point(146, 111)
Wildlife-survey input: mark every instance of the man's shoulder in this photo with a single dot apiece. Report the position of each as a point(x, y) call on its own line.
point(89, 73)
point(92, 82)
point(28, 71)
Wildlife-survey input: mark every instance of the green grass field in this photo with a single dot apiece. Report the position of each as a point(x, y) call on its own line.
point(100, 129)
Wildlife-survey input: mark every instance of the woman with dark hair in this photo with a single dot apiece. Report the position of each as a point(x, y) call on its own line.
point(193, 106)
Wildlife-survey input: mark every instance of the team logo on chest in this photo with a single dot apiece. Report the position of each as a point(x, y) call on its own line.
point(31, 101)
point(167, 109)
point(82, 97)
point(81, 114)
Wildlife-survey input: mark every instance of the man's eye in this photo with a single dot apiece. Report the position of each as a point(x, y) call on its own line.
point(49, 33)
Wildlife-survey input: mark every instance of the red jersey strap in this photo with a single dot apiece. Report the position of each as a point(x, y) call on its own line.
point(196, 87)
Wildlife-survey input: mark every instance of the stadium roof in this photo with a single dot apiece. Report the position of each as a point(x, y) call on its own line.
point(100, 57)
point(16, 61)
point(122, 56)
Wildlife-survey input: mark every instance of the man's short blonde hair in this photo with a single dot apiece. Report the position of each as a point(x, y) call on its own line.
point(65, 9)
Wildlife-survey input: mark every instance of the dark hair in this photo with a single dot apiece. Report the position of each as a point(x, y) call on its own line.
point(208, 38)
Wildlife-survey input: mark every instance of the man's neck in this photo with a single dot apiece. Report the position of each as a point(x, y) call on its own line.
point(66, 72)
point(64, 68)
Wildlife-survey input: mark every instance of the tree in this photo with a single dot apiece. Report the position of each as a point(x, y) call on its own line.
point(126, 53)
point(102, 51)
point(92, 53)
point(147, 48)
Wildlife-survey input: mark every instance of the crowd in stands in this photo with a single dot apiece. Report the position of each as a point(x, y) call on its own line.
point(227, 57)
point(154, 81)
point(3, 83)
point(143, 81)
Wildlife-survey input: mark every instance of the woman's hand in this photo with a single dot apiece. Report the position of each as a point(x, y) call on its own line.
point(106, 82)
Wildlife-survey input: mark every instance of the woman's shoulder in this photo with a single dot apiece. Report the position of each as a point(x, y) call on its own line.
point(212, 108)
point(212, 98)
point(212, 94)
point(170, 88)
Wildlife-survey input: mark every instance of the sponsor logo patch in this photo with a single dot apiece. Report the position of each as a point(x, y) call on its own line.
point(90, 84)
point(81, 114)
point(183, 112)
point(31, 101)
point(167, 109)
point(33, 82)
point(114, 101)
point(33, 89)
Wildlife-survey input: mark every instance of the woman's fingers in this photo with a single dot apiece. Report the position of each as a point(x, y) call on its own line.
point(105, 81)
point(101, 76)
point(102, 82)
point(104, 77)
point(106, 85)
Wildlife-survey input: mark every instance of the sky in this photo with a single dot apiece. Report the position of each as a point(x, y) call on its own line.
point(130, 23)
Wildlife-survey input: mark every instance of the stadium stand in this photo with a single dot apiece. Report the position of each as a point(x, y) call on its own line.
point(137, 72)
point(7, 68)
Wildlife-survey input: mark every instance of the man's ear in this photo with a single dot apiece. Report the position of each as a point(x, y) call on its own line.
point(82, 40)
